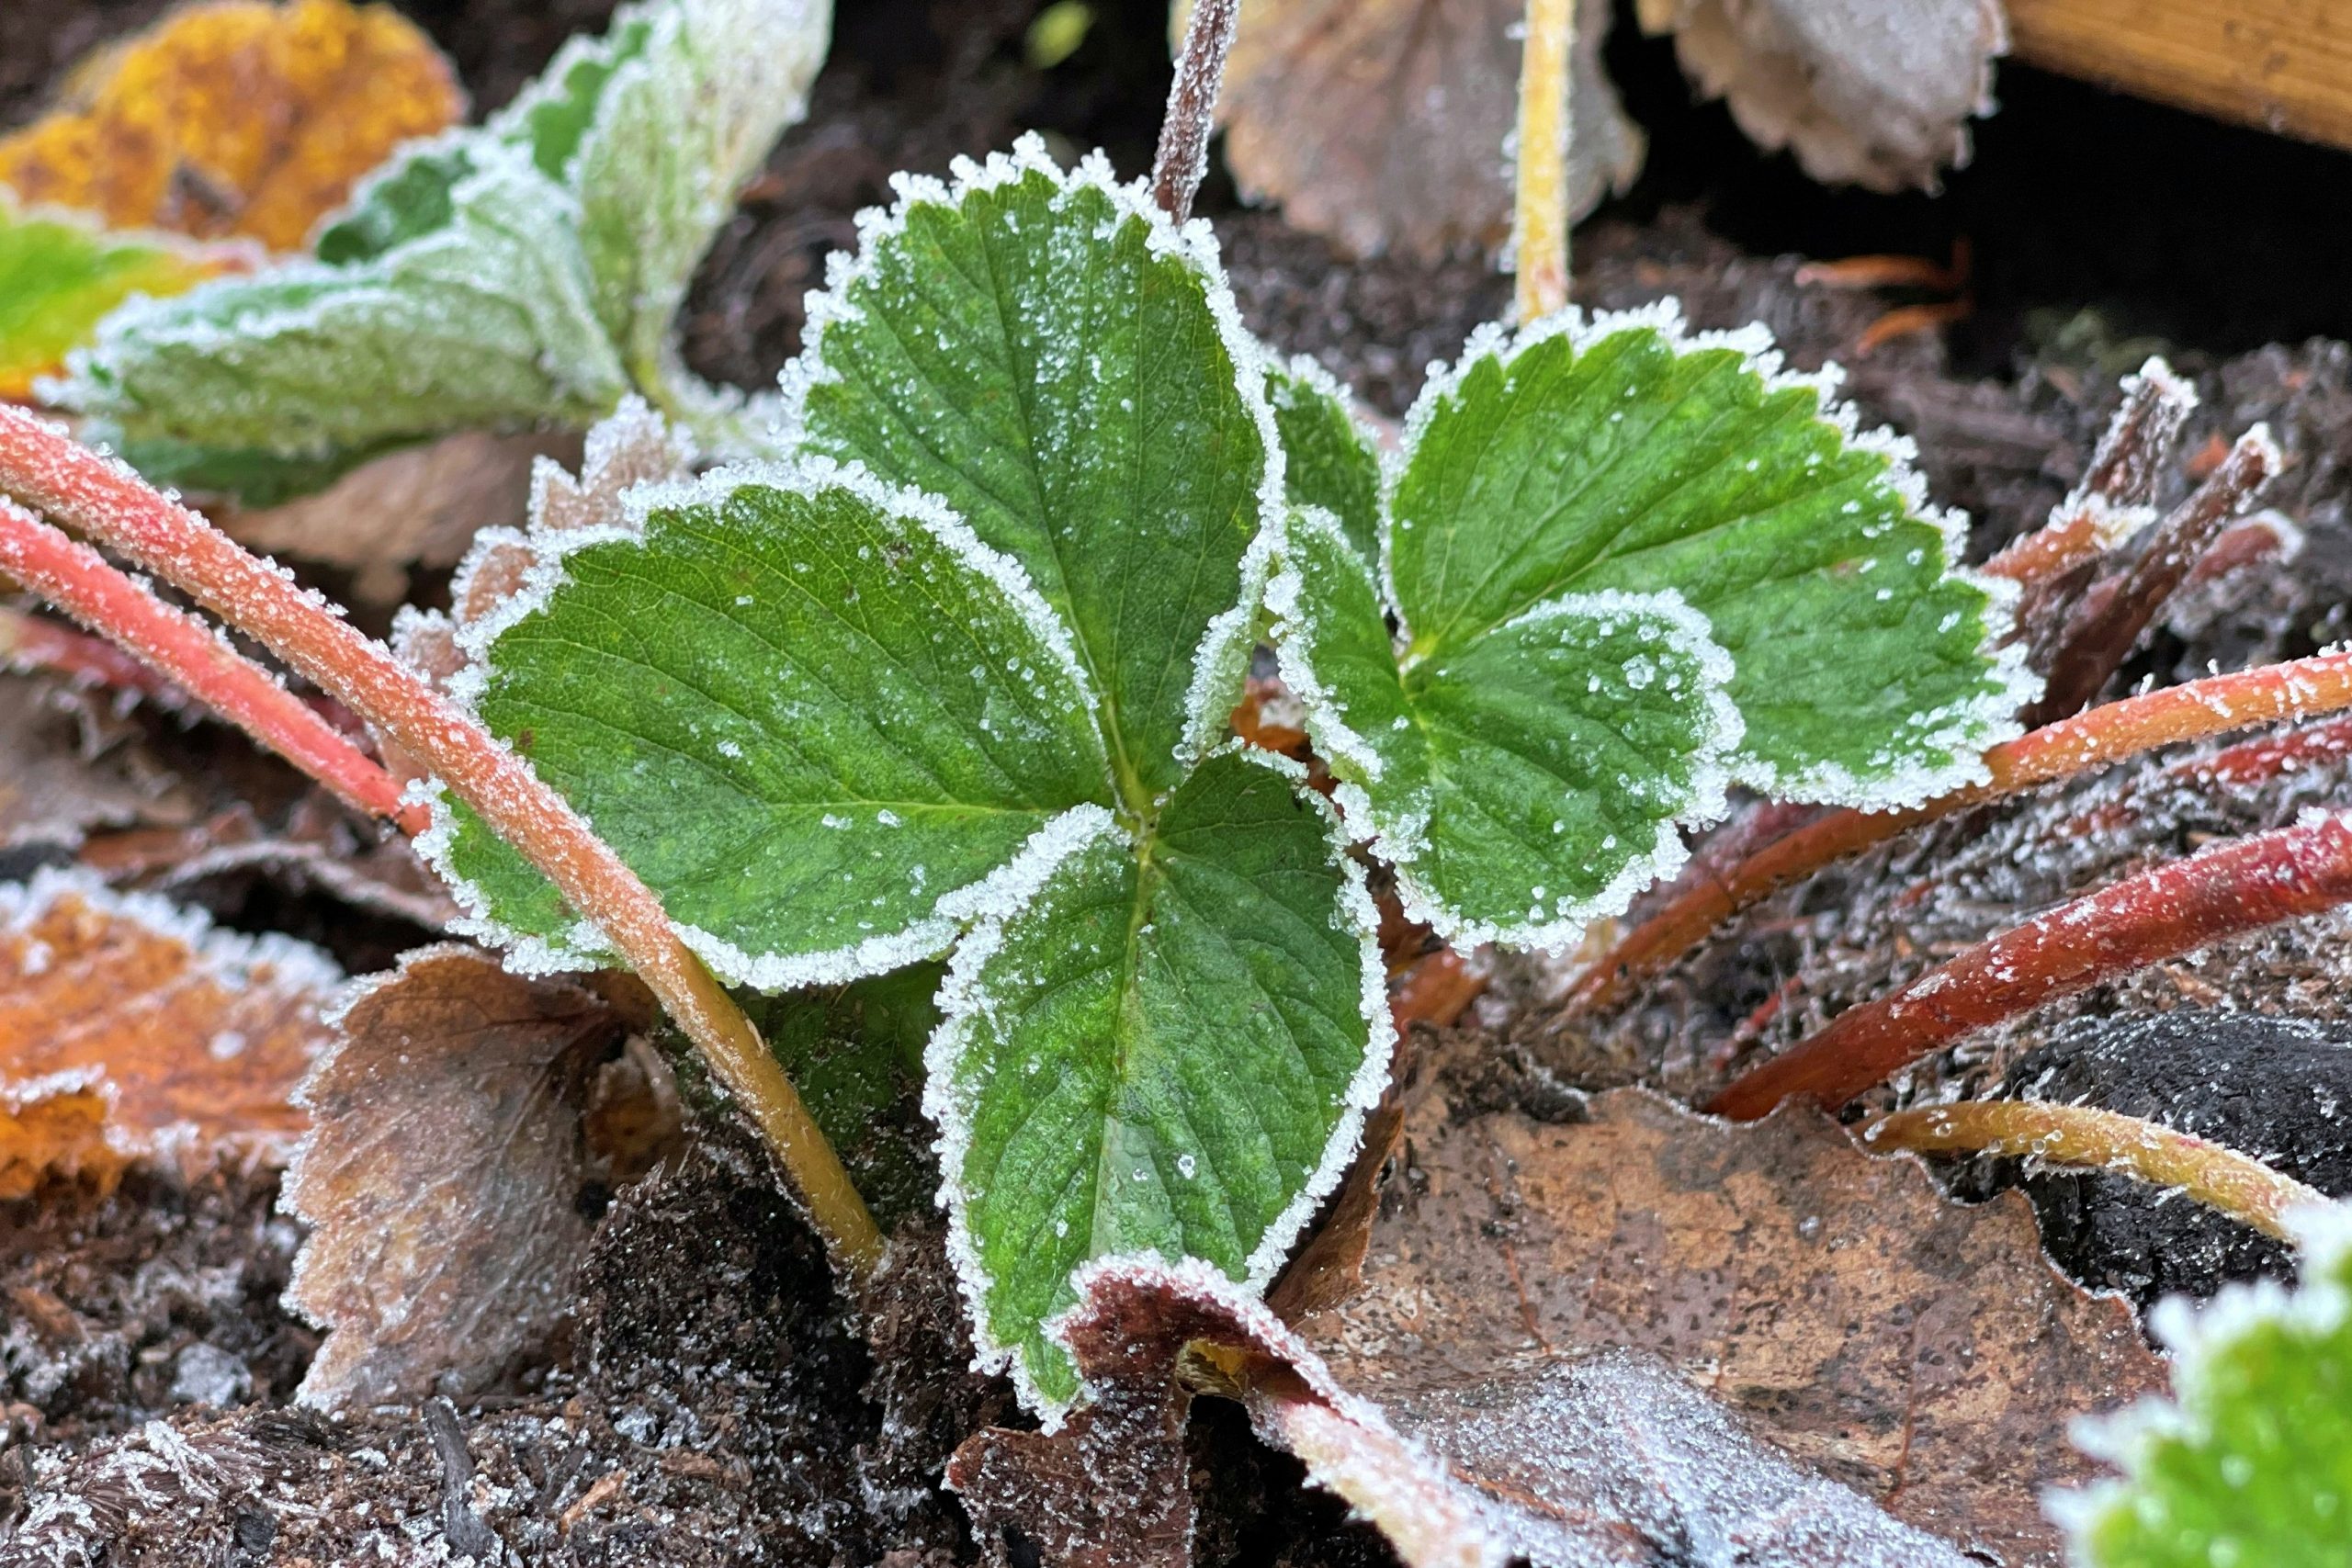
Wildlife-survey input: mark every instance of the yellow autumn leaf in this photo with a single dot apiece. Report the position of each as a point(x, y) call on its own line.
point(235, 118)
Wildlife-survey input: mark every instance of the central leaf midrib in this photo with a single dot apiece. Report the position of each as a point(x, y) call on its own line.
point(1125, 1030)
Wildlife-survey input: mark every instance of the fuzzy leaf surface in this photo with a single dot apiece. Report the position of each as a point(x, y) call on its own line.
point(485, 321)
point(1038, 349)
point(1530, 778)
point(1330, 460)
point(59, 277)
point(2254, 1462)
point(803, 714)
point(1617, 456)
point(1155, 1054)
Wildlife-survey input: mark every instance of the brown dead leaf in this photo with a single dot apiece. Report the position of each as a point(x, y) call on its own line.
point(444, 1176)
point(66, 769)
point(1382, 124)
point(418, 506)
point(236, 117)
point(1567, 1464)
point(1863, 92)
point(1922, 1351)
point(190, 1040)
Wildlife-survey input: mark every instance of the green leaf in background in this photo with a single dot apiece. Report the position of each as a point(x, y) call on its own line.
point(1616, 454)
point(1163, 1051)
point(520, 273)
point(59, 275)
point(1530, 781)
point(1045, 354)
point(855, 1052)
point(812, 715)
point(1329, 460)
point(485, 321)
point(2252, 1468)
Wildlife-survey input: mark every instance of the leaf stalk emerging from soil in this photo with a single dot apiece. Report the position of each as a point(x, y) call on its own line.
point(43, 467)
point(78, 580)
point(1540, 219)
point(2197, 710)
point(2224, 892)
point(2088, 1138)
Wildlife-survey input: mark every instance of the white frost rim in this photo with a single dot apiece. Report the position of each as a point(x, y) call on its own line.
point(232, 959)
point(1961, 730)
point(962, 998)
point(1221, 658)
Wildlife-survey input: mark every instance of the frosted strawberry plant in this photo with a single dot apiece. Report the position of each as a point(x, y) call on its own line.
point(957, 676)
point(522, 272)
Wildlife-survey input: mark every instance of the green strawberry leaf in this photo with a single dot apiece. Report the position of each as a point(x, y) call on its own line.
point(1528, 780)
point(1330, 460)
point(1617, 454)
point(2254, 1462)
point(1066, 370)
point(485, 321)
point(59, 275)
point(812, 714)
point(1169, 1048)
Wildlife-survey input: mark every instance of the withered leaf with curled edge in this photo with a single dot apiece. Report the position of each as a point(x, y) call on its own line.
point(1922, 1351)
point(443, 1175)
point(64, 774)
point(1382, 124)
point(1863, 92)
point(1565, 1463)
point(132, 1030)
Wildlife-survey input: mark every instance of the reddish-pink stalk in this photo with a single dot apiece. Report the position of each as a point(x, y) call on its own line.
point(2090, 1139)
point(2047, 553)
point(30, 642)
point(78, 580)
point(2221, 892)
point(40, 464)
point(2197, 710)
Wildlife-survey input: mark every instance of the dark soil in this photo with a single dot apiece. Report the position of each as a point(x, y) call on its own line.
point(713, 1401)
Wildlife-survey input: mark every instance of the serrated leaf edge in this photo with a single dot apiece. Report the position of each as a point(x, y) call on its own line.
point(1964, 729)
point(805, 476)
point(960, 1000)
point(1224, 649)
point(2194, 1336)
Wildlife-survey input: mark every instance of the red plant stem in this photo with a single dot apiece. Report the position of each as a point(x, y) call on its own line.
point(2105, 734)
point(2174, 908)
point(2082, 1136)
point(1182, 158)
point(41, 464)
point(2047, 552)
point(78, 580)
point(30, 642)
point(2103, 631)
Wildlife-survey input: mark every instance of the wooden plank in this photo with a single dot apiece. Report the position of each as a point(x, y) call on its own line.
point(2285, 65)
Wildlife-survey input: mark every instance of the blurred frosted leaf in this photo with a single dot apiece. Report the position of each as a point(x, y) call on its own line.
point(486, 320)
point(235, 118)
point(131, 1031)
point(1863, 92)
point(1168, 1048)
point(441, 1178)
point(59, 275)
point(2251, 1462)
point(1383, 124)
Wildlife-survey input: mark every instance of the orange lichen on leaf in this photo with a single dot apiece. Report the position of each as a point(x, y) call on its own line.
point(132, 1030)
point(236, 117)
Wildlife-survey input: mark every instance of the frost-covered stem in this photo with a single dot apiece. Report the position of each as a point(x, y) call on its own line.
point(1539, 218)
point(30, 642)
point(2100, 636)
point(2050, 552)
point(2222, 892)
point(2302, 688)
point(188, 653)
point(2082, 1136)
point(41, 464)
point(1182, 161)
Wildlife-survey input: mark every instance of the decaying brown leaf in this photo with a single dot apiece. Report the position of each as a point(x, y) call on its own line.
point(236, 117)
point(1567, 1462)
point(188, 1041)
point(1382, 124)
point(418, 506)
point(1922, 1351)
point(63, 774)
point(443, 1178)
point(1863, 92)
